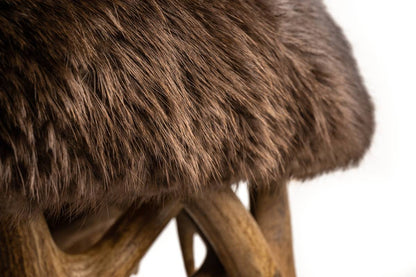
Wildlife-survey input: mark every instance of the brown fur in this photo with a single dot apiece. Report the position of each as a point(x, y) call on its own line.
point(109, 102)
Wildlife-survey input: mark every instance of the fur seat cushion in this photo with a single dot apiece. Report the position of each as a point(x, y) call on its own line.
point(109, 102)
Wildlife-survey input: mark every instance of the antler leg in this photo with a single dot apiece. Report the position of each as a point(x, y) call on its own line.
point(27, 249)
point(233, 234)
point(121, 249)
point(79, 235)
point(270, 208)
point(186, 230)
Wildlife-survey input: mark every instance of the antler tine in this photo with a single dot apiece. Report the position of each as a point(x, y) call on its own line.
point(270, 208)
point(233, 234)
point(29, 250)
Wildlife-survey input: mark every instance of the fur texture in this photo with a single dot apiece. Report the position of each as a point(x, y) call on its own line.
point(110, 102)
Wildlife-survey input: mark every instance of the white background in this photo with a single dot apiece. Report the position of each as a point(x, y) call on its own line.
point(362, 222)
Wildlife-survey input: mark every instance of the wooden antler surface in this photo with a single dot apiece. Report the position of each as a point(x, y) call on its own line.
point(27, 249)
point(237, 245)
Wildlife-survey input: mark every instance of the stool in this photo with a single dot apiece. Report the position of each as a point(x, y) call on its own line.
point(130, 113)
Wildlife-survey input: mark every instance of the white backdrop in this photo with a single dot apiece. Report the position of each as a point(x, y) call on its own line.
point(362, 222)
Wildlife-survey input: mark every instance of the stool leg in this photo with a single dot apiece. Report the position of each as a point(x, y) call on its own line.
point(270, 208)
point(211, 267)
point(186, 230)
point(79, 235)
point(27, 249)
point(233, 233)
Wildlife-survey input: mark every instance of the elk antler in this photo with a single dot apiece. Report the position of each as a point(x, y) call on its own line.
point(186, 230)
point(233, 234)
point(29, 250)
point(270, 208)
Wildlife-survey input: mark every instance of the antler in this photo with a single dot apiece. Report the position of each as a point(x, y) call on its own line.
point(270, 208)
point(236, 244)
point(186, 230)
point(29, 250)
point(233, 234)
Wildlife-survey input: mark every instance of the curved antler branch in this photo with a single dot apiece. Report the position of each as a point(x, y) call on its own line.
point(29, 250)
point(121, 249)
point(270, 208)
point(186, 230)
point(233, 234)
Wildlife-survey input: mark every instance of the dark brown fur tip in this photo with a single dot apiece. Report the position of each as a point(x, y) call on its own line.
point(111, 102)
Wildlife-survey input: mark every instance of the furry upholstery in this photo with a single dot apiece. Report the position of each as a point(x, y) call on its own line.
point(343, 133)
point(108, 102)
